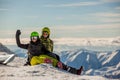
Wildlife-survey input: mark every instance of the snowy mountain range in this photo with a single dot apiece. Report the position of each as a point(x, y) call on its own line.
point(95, 63)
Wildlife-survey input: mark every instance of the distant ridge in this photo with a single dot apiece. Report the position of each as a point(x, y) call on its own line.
point(5, 49)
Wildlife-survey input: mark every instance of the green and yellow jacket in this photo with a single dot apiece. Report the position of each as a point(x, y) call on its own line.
point(48, 43)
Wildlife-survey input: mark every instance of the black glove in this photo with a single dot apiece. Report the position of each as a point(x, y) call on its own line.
point(18, 32)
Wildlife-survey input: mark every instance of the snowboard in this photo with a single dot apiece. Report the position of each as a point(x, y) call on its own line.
point(5, 59)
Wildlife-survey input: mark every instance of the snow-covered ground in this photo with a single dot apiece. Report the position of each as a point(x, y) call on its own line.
point(16, 71)
point(99, 56)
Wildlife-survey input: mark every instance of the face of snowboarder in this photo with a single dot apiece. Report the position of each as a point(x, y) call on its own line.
point(45, 34)
point(34, 39)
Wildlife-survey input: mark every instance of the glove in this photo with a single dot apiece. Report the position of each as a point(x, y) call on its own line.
point(18, 32)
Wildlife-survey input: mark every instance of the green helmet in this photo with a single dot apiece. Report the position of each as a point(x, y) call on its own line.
point(34, 34)
point(46, 29)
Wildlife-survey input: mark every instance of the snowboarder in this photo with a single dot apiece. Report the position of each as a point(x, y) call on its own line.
point(47, 59)
point(35, 47)
point(46, 41)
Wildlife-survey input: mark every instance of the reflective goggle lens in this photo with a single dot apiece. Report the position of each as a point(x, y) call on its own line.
point(34, 38)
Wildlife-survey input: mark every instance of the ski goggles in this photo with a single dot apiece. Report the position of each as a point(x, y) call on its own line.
point(45, 33)
point(34, 38)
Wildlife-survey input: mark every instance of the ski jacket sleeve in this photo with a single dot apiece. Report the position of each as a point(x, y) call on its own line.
point(51, 42)
point(24, 46)
point(46, 52)
point(48, 43)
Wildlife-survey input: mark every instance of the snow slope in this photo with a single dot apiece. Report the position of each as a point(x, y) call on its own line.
point(113, 59)
point(16, 71)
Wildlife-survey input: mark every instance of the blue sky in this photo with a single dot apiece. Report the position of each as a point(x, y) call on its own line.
point(66, 18)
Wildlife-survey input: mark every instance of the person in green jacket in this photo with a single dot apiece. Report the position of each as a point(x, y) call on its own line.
point(45, 39)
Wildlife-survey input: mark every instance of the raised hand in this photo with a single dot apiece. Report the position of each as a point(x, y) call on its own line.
point(18, 32)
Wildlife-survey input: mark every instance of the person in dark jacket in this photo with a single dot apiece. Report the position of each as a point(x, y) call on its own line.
point(34, 47)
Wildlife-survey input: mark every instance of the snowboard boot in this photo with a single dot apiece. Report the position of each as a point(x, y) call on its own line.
point(27, 64)
point(79, 70)
point(73, 70)
point(60, 65)
point(28, 60)
point(69, 69)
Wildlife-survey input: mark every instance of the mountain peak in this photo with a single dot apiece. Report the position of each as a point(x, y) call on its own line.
point(5, 49)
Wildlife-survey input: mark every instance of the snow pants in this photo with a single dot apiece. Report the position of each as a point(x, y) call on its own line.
point(40, 59)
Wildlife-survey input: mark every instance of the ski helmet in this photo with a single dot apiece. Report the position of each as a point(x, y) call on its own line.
point(46, 29)
point(34, 34)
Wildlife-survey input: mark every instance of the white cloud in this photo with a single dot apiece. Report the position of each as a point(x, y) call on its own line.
point(81, 3)
point(106, 14)
point(64, 30)
point(69, 28)
point(79, 27)
point(110, 0)
point(107, 17)
point(74, 4)
point(111, 20)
